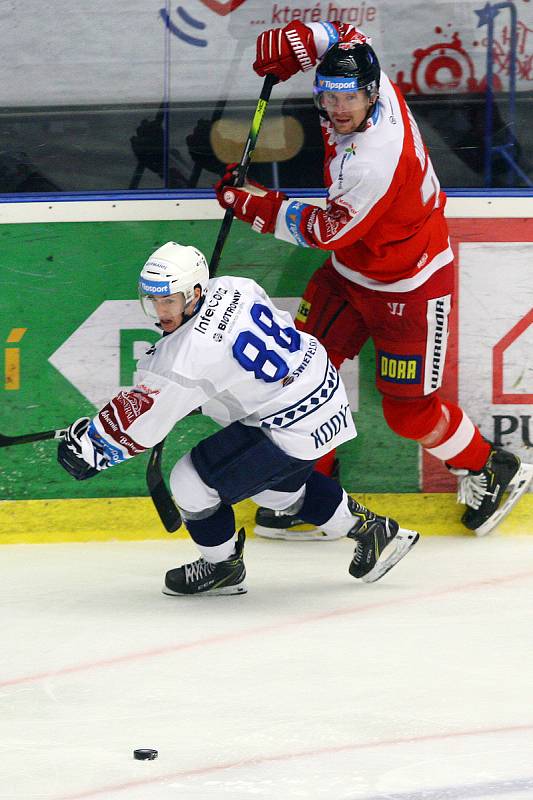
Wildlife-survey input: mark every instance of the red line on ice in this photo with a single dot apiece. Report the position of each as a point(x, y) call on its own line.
point(261, 630)
point(324, 751)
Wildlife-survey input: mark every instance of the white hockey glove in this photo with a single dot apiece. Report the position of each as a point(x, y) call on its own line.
point(79, 454)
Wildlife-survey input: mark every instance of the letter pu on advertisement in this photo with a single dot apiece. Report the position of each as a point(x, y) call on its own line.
point(507, 424)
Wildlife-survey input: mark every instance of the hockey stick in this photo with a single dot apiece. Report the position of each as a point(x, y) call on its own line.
point(257, 120)
point(24, 438)
point(162, 499)
point(166, 508)
point(168, 513)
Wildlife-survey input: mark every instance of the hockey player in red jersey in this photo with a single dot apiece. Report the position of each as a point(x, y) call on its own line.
point(390, 273)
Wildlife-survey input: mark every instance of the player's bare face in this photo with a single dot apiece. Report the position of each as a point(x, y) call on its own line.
point(346, 110)
point(169, 310)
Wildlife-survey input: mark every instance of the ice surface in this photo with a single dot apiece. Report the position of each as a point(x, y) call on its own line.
point(313, 685)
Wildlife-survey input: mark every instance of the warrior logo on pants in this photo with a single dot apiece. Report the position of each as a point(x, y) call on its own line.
point(437, 318)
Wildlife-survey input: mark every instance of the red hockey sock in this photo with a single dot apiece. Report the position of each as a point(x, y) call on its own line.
point(441, 427)
point(474, 456)
point(462, 446)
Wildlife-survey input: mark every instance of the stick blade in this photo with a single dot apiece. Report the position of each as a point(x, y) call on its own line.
point(161, 497)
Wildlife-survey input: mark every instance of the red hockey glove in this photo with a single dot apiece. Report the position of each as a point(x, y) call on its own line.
point(253, 203)
point(285, 51)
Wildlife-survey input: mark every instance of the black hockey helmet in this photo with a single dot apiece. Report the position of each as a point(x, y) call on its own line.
point(347, 67)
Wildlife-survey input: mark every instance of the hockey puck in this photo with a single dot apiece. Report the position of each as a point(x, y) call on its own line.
point(145, 754)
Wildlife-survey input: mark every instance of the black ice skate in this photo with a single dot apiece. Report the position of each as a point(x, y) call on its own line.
point(483, 492)
point(201, 577)
point(380, 543)
point(282, 525)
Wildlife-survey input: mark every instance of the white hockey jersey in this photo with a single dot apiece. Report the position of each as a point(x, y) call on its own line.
point(239, 358)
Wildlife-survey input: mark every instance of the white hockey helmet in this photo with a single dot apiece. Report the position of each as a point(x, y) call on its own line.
point(170, 269)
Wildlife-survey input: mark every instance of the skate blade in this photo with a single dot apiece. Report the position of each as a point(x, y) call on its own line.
point(294, 535)
point(394, 552)
point(517, 487)
point(239, 588)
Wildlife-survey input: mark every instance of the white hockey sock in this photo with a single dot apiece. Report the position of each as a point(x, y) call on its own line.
point(341, 522)
point(289, 502)
point(220, 552)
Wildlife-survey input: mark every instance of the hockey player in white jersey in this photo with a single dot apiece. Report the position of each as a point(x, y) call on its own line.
point(227, 350)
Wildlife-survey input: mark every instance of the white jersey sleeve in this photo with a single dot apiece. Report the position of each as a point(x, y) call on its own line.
point(239, 359)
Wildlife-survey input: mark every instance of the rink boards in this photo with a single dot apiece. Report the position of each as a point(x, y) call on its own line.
point(71, 332)
point(134, 518)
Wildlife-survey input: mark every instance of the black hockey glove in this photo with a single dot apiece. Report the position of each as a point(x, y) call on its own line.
point(80, 455)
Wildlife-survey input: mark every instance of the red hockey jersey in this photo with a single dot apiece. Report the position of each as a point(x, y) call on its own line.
point(384, 219)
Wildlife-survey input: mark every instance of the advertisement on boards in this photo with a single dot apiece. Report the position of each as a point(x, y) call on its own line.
point(73, 329)
point(141, 51)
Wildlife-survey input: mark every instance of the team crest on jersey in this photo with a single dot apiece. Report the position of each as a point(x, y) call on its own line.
point(396, 368)
point(332, 222)
point(129, 406)
point(340, 201)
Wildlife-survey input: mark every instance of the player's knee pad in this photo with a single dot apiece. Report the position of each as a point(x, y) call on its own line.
point(194, 498)
point(414, 417)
